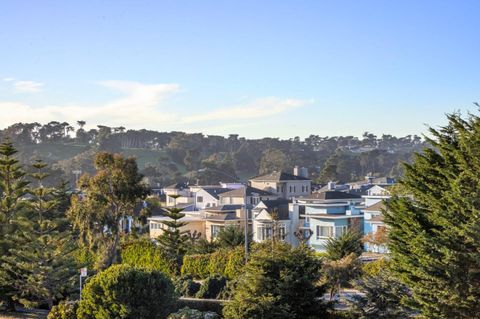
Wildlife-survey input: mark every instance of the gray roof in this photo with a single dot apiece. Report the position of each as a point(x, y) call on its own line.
point(328, 195)
point(177, 186)
point(223, 208)
point(216, 191)
point(250, 191)
point(279, 176)
point(278, 205)
point(221, 217)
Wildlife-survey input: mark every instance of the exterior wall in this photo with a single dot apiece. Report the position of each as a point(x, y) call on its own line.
point(318, 242)
point(268, 186)
point(207, 227)
point(191, 226)
point(186, 197)
point(207, 200)
point(285, 189)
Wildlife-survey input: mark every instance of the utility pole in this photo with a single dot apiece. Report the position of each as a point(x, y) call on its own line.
point(246, 221)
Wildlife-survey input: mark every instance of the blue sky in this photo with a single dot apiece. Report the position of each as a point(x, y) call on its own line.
point(256, 68)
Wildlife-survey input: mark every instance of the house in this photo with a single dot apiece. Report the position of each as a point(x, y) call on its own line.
point(218, 217)
point(252, 195)
point(178, 189)
point(374, 228)
point(328, 214)
point(376, 194)
point(283, 184)
point(194, 220)
point(207, 196)
point(272, 218)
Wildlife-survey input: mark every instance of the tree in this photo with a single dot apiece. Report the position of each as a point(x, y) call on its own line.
point(231, 237)
point(273, 160)
point(280, 283)
point(173, 240)
point(105, 200)
point(13, 186)
point(338, 273)
point(41, 261)
point(434, 233)
point(381, 298)
point(348, 243)
point(125, 292)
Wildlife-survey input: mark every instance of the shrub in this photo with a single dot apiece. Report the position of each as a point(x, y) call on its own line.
point(186, 287)
point(143, 253)
point(196, 266)
point(122, 291)
point(210, 305)
point(64, 310)
point(226, 263)
point(187, 313)
point(212, 287)
point(373, 268)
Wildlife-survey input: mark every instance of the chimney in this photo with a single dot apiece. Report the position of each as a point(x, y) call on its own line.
point(300, 171)
point(331, 186)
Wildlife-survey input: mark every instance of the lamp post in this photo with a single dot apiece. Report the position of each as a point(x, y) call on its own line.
point(245, 211)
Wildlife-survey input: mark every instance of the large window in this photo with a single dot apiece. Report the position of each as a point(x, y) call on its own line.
point(265, 232)
point(340, 230)
point(215, 229)
point(324, 231)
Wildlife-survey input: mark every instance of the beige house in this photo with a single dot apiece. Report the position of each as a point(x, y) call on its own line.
point(282, 184)
point(194, 220)
point(253, 196)
point(217, 218)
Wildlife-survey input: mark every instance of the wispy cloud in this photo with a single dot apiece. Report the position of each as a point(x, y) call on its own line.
point(146, 106)
point(24, 86)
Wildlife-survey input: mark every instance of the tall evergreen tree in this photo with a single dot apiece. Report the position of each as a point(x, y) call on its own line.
point(105, 200)
point(13, 186)
point(434, 232)
point(173, 240)
point(40, 257)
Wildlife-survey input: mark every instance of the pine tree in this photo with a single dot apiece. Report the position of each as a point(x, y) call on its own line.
point(13, 187)
point(41, 258)
point(173, 240)
point(434, 232)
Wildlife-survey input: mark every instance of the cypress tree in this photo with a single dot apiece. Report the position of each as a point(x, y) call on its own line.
point(434, 230)
point(41, 254)
point(13, 187)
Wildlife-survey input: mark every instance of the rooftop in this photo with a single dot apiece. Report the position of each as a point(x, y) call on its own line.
point(278, 176)
point(329, 195)
point(251, 191)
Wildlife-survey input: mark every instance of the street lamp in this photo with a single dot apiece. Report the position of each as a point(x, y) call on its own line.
point(245, 211)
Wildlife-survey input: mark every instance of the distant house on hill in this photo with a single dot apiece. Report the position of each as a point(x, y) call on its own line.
point(284, 185)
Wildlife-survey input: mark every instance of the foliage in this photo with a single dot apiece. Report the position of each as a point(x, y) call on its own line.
point(278, 283)
point(41, 260)
point(228, 263)
point(212, 287)
point(105, 200)
point(348, 243)
point(338, 273)
point(187, 313)
point(273, 160)
point(14, 186)
point(231, 237)
point(64, 310)
point(185, 286)
point(143, 253)
point(373, 268)
point(174, 241)
point(381, 298)
point(125, 292)
point(434, 234)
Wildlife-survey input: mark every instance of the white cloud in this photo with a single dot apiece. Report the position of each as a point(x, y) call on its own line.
point(144, 106)
point(24, 86)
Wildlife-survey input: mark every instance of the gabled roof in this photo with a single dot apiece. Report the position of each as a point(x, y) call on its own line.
point(278, 205)
point(177, 186)
point(279, 176)
point(377, 207)
point(250, 191)
point(328, 195)
point(214, 192)
point(223, 208)
point(377, 219)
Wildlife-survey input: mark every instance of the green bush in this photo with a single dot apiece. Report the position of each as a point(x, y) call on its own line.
point(206, 305)
point(212, 287)
point(186, 287)
point(187, 313)
point(122, 291)
point(226, 263)
point(64, 310)
point(196, 266)
point(373, 268)
point(143, 253)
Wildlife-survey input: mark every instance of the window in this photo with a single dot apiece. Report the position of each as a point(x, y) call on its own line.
point(290, 188)
point(215, 229)
point(255, 200)
point(303, 188)
point(200, 199)
point(294, 189)
point(340, 230)
point(324, 231)
point(306, 188)
point(265, 232)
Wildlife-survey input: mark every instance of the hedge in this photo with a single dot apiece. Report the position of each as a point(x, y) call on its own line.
point(143, 253)
point(228, 263)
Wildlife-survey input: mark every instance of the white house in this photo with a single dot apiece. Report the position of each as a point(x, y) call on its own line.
point(283, 184)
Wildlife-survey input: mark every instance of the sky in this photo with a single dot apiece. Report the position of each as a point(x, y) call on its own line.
point(255, 68)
